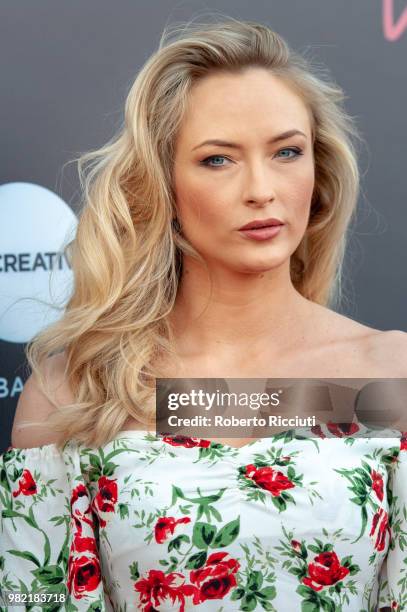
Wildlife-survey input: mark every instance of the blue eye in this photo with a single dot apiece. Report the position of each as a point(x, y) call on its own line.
point(297, 152)
point(205, 162)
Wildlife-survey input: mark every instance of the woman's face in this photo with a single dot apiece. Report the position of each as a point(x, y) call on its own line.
point(222, 187)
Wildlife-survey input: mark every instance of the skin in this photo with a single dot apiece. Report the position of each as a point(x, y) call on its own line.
point(253, 322)
point(252, 298)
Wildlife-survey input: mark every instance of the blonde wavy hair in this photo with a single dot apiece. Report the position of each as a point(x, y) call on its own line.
point(127, 254)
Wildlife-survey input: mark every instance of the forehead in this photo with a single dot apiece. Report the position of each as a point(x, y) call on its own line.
point(249, 105)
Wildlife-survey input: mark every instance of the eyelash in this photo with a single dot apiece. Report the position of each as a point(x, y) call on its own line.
point(296, 150)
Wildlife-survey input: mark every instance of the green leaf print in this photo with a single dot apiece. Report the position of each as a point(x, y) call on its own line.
point(196, 561)
point(25, 555)
point(250, 581)
point(362, 485)
point(288, 436)
point(203, 501)
point(95, 461)
point(309, 606)
point(268, 592)
point(109, 469)
point(175, 544)
point(3, 480)
point(279, 503)
point(249, 602)
point(134, 571)
point(237, 594)
point(51, 574)
point(123, 511)
point(255, 580)
point(227, 534)
point(203, 534)
point(176, 493)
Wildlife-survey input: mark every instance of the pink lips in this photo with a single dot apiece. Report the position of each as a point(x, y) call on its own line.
point(261, 223)
point(262, 229)
point(262, 233)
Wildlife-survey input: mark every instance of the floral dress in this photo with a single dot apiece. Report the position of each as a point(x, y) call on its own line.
point(307, 520)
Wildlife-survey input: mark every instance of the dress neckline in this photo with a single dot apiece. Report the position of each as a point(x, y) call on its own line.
point(142, 432)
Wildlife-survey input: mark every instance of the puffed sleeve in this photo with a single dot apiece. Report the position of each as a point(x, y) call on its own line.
point(393, 577)
point(48, 535)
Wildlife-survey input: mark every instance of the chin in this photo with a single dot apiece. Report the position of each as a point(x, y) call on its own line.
point(257, 267)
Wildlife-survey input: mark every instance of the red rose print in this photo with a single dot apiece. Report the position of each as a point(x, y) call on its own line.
point(83, 575)
point(380, 526)
point(377, 484)
point(26, 485)
point(159, 587)
point(317, 431)
point(81, 545)
point(325, 570)
point(296, 545)
point(342, 429)
point(403, 441)
point(80, 507)
point(268, 478)
point(216, 577)
point(79, 491)
point(186, 442)
point(105, 500)
point(165, 526)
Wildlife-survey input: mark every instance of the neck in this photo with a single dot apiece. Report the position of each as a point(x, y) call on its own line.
point(233, 310)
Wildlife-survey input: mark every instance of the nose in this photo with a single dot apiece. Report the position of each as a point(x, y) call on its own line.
point(259, 188)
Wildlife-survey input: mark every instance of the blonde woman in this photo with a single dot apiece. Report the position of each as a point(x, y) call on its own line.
point(225, 127)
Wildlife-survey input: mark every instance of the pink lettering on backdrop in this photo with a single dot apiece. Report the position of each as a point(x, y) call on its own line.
point(393, 29)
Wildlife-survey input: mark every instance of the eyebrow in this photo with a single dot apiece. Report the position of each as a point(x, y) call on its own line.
point(234, 145)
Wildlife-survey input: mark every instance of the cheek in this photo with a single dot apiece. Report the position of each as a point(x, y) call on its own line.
point(299, 197)
point(200, 207)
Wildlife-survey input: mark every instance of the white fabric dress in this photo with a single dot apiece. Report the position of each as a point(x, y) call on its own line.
point(309, 521)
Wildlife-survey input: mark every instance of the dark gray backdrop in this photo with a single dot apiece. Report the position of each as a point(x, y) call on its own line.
point(66, 67)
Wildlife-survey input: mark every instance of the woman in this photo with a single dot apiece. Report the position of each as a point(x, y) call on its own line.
point(169, 282)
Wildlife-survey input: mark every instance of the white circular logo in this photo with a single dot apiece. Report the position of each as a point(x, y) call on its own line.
point(35, 278)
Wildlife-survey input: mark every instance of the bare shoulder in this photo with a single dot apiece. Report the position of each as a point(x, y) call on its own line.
point(388, 352)
point(336, 328)
point(365, 350)
point(33, 408)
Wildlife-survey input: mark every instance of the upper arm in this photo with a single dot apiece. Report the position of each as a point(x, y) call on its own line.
point(30, 427)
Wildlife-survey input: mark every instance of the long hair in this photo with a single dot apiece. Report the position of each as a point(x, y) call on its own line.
point(127, 254)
